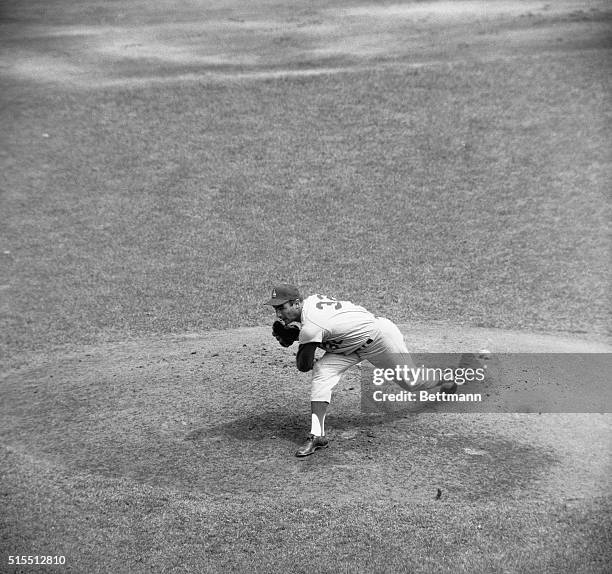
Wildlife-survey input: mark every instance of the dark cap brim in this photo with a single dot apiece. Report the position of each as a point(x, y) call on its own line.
point(276, 302)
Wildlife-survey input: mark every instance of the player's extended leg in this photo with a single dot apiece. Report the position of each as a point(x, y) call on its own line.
point(389, 350)
point(325, 376)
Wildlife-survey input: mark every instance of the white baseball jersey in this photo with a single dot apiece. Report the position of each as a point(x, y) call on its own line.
point(338, 326)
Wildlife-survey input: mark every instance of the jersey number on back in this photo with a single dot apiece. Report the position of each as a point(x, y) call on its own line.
point(327, 301)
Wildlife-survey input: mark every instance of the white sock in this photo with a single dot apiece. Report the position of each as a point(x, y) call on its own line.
point(317, 427)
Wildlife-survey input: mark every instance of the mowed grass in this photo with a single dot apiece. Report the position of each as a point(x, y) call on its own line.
point(119, 526)
point(473, 192)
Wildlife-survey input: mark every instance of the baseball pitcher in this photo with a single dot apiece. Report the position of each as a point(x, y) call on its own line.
point(349, 334)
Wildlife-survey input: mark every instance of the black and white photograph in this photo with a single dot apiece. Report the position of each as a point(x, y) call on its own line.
point(305, 287)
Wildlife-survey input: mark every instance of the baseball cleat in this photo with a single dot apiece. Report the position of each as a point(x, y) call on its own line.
point(313, 443)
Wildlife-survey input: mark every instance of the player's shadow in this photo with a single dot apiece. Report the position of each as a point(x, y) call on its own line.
point(283, 425)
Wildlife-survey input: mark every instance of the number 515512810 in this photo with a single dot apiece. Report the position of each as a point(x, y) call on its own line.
point(23, 560)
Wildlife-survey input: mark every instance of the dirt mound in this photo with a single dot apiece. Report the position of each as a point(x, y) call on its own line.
point(236, 395)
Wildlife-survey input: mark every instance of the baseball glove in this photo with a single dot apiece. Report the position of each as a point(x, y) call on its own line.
point(286, 335)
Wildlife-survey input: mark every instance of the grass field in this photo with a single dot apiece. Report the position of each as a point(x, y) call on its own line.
point(441, 163)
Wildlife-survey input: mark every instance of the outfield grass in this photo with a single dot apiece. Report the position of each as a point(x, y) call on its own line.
point(474, 192)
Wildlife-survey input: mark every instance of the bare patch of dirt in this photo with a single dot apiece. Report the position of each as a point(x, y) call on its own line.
point(448, 11)
point(229, 41)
